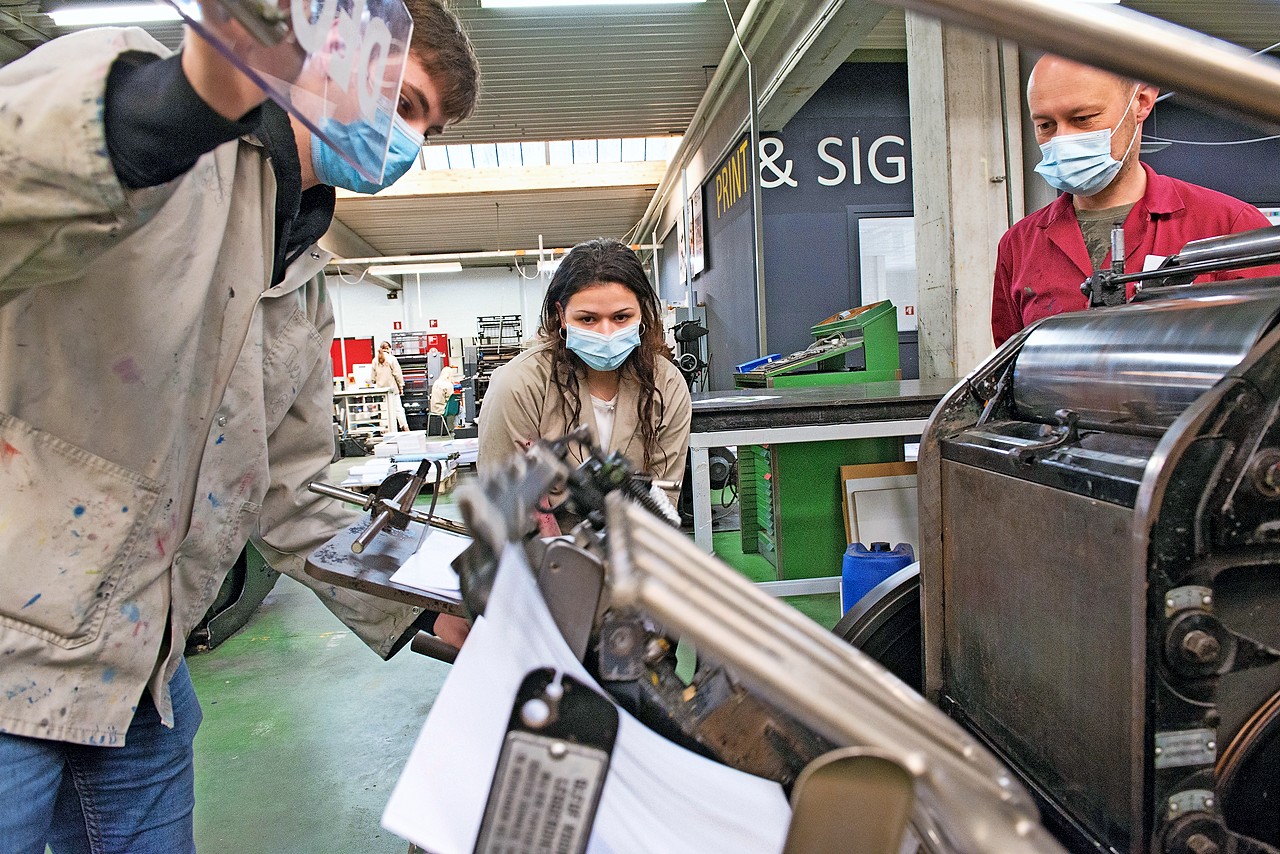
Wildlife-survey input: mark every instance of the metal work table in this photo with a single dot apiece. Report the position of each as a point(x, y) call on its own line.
point(370, 572)
point(811, 414)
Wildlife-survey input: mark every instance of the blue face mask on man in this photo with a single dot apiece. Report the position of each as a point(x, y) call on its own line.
point(603, 352)
point(1081, 163)
point(361, 139)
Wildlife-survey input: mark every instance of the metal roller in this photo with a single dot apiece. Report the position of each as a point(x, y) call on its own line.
point(1141, 366)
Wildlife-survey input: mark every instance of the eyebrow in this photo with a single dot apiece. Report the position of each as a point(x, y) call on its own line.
point(419, 97)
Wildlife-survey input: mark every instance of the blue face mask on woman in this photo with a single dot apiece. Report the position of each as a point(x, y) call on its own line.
point(1081, 163)
point(603, 352)
point(361, 139)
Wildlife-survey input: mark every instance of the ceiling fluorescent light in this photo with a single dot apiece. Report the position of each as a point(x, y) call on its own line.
point(410, 269)
point(532, 4)
point(101, 14)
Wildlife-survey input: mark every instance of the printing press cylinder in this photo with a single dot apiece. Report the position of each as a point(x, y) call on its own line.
point(1100, 571)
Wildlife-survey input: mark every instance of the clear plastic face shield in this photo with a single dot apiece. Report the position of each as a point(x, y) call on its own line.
point(336, 65)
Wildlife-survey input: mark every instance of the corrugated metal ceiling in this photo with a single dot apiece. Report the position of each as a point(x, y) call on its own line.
point(598, 73)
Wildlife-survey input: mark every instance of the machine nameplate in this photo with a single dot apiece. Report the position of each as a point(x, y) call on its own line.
point(544, 795)
point(1184, 598)
point(1186, 747)
point(1190, 801)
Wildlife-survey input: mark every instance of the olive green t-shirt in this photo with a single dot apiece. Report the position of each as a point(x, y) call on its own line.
point(1096, 228)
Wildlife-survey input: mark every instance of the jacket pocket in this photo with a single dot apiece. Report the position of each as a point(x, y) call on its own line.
point(70, 525)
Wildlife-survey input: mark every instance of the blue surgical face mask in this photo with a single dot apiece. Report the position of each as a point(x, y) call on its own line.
point(1081, 163)
point(603, 352)
point(361, 139)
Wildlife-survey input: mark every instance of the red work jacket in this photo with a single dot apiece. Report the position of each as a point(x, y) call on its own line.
point(1042, 260)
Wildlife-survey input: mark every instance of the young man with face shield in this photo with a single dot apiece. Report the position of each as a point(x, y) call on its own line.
point(165, 395)
point(1089, 126)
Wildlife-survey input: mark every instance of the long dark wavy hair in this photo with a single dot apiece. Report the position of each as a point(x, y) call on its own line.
point(601, 262)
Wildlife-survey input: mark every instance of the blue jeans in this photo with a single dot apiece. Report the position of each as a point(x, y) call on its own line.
point(79, 799)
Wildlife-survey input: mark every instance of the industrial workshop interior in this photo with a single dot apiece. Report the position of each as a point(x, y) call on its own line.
point(924, 497)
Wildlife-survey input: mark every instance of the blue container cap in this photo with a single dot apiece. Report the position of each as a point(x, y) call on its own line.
point(882, 551)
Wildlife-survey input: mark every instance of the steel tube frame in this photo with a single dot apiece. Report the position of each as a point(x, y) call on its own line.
point(1125, 42)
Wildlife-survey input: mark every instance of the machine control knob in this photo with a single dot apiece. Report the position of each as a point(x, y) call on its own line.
point(1196, 833)
point(1265, 471)
point(1197, 644)
point(1202, 648)
point(1198, 843)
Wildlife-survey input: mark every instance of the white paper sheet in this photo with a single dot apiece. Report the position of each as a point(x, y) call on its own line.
point(658, 796)
point(429, 569)
point(741, 401)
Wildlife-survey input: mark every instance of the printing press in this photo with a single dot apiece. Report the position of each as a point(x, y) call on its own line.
point(1111, 638)
point(1100, 516)
point(868, 762)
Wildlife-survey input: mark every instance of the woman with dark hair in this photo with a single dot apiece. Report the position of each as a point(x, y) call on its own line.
point(600, 362)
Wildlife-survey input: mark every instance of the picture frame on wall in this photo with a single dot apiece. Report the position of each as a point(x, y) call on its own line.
point(697, 248)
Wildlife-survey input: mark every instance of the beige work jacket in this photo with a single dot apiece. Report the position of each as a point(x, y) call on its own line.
point(522, 404)
point(388, 374)
point(158, 403)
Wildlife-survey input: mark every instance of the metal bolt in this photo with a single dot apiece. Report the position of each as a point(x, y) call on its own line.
point(535, 713)
point(1211, 745)
point(558, 750)
point(1206, 599)
point(1208, 803)
point(1201, 647)
point(1168, 603)
point(1201, 844)
point(1271, 477)
point(222, 421)
point(1159, 750)
point(1173, 806)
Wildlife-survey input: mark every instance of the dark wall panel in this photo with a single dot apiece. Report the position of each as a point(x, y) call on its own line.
point(1247, 172)
point(806, 282)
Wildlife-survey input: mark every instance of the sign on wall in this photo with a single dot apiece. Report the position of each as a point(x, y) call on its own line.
point(887, 256)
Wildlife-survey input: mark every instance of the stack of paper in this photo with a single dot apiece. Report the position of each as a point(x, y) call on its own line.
point(429, 568)
point(657, 796)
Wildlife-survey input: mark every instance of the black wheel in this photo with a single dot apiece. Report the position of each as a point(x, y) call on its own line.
point(886, 625)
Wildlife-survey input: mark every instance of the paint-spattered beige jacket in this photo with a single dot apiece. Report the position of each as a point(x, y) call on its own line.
point(157, 405)
point(522, 404)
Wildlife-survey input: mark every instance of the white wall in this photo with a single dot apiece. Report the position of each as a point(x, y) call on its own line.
point(453, 300)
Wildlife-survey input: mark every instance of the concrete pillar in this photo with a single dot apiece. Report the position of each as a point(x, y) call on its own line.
point(968, 182)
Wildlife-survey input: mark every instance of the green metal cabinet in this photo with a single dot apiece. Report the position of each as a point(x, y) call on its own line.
point(790, 494)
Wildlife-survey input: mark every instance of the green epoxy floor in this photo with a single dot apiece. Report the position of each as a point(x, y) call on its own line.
point(306, 730)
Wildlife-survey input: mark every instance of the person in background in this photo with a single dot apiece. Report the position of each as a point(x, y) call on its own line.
point(442, 390)
point(387, 374)
point(600, 362)
point(158, 260)
point(1088, 123)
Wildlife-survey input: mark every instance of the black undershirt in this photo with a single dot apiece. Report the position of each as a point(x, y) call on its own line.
point(157, 127)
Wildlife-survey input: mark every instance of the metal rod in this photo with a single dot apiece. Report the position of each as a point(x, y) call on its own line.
point(1125, 42)
point(364, 502)
point(757, 202)
point(1199, 267)
point(461, 256)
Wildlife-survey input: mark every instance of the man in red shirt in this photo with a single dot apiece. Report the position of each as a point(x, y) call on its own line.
point(1089, 126)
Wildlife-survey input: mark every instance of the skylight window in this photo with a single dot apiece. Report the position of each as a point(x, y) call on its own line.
point(562, 152)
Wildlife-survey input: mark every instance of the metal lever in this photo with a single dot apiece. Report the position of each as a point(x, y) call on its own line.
point(395, 511)
point(1068, 434)
point(385, 505)
point(1107, 287)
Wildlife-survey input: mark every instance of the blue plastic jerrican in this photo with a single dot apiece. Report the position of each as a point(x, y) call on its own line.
point(864, 568)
